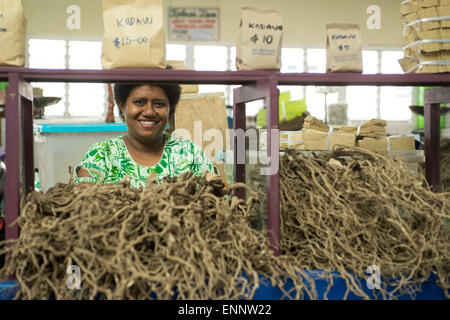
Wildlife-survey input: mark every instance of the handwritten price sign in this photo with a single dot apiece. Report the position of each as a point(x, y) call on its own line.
point(265, 39)
point(128, 41)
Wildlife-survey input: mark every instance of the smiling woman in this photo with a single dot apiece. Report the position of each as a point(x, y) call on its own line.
point(147, 148)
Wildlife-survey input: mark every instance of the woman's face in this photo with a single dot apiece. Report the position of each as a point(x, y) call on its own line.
point(146, 112)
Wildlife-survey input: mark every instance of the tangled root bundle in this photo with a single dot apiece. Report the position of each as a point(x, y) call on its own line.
point(186, 239)
point(350, 209)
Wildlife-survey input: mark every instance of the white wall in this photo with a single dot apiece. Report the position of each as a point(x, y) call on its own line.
point(304, 20)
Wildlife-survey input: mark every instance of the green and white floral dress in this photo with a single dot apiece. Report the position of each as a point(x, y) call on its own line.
point(109, 161)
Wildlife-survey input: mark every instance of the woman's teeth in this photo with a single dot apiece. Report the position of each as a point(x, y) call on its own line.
point(148, 123)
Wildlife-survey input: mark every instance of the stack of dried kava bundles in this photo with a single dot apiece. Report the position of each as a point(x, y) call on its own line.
point(315, 124)
point(373, 128)
point(292, 140)
point(319, 136)
point(372, 136)
point(426, 35)
point(315, 134)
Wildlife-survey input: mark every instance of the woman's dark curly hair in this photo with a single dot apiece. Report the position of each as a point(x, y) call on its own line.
point(122, 92)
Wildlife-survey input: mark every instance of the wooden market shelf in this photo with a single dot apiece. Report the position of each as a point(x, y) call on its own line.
point(136, 75)
point(355, 79)
point(254, 85)
point(224, 77)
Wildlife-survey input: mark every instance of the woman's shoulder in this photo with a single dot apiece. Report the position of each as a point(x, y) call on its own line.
point(185, 148)
point(179, 142)
point(111, 145)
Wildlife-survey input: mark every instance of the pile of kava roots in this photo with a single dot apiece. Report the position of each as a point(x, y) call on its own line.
point(189, 238)
point(350, 209)
point(186, 238)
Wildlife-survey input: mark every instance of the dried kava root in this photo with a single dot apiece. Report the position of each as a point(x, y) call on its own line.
point(350, 209)
point(186, 238)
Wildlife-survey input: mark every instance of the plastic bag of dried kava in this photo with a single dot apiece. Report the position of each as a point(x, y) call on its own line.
point(344, 47)
point(133, 34)
point(13, 32)
point(259, 40)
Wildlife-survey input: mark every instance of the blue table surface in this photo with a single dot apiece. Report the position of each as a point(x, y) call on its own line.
point(429, 291)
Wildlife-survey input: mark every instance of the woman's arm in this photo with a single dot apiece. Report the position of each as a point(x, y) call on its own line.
point(83, 173)
point(93, 168)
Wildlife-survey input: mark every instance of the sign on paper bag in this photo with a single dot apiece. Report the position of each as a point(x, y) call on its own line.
point(259, 39)
point(13, 32)
point(193, 24)
point(344, 47)
point(133, 34)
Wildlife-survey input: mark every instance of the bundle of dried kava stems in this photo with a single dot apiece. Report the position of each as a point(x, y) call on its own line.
point(186, 238)
point(350, 209)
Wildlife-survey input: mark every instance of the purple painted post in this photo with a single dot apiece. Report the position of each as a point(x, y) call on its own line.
point(19, 136)
point(433, 98)
point(12, 193)
point(239, 123)
point(432, 145)
point(26, 96)
point(12, 183)
point(273, 179)
point(267, 89)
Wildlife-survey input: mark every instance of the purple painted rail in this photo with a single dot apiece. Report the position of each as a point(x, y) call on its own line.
point(344, 79)
point(255, 85)
point(139, 75)
point(433, 98)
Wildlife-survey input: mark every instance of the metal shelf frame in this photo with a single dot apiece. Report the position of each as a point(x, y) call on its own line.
point(254, 85)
